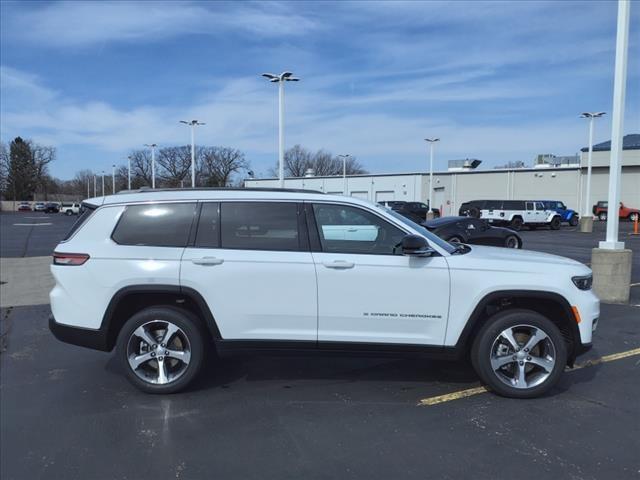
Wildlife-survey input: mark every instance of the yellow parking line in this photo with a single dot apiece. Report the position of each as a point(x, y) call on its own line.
point(477, 390)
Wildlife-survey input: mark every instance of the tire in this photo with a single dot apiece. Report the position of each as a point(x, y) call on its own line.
point(455, 239)
point(574, 221)
point(555, 223)
point(68, 213)
point(602, 216)
point(186, 342)
point(516, 223)
point(522, 377)
point(511, 241)
point(633, 217)
point(474, 212)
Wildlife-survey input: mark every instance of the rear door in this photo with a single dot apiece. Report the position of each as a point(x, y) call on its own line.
point(251, 263)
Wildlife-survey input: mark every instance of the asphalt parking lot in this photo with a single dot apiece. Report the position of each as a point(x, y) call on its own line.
point(67, 412)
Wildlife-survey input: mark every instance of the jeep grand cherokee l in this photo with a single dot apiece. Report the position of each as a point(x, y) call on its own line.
point(166, 277)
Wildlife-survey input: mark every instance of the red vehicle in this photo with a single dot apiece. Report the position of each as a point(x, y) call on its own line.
point(631, 214)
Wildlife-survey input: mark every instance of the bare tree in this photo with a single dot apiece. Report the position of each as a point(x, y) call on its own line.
point(141, 168)
point(297, 160)
point(175, 165)
point(218, 164)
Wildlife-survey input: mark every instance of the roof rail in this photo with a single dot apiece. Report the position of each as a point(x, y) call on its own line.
point(208, 189)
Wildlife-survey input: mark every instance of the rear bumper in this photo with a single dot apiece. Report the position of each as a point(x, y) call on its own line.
point(83, 337)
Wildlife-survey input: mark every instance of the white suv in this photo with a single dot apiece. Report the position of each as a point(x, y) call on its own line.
point(70, 208)
point(166, 277)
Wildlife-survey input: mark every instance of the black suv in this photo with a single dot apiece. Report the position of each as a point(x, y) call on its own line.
point(416, 211)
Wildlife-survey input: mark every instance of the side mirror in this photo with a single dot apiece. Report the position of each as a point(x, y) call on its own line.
point(415, 245)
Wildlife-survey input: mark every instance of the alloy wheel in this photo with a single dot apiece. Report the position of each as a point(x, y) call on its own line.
point(522, 356)
point(158, 352)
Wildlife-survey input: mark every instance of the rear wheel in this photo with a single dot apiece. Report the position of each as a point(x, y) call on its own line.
point(516, 223)
point(161, 349)
point(519, 354)
point(633, 217)
point(511, 242)
point(68, 212)
point(555, 223)
point(602, 216)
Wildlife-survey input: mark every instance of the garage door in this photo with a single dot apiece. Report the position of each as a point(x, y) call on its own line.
point(364, 195)
point(385, 196)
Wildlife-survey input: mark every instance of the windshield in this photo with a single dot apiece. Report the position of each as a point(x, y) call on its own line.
point(422, 230)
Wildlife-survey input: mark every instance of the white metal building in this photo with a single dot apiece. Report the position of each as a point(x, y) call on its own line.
point(451, 188)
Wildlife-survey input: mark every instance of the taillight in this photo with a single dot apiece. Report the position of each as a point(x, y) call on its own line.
point(69, 258)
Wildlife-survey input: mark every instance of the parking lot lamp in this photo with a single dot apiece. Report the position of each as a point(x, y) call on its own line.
point(113, 179)
point(152, 146)
point(193, 124)
point(88, 187)
point(344, 172)
point(591, 116)
point(129, 172)
point(103, 183)
point(280, 80)
point(431, 141)
point(95, 186)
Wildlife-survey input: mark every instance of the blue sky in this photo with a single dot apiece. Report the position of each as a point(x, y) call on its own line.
point(494, 80)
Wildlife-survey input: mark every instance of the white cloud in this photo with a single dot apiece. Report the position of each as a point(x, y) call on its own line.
point(82, 24)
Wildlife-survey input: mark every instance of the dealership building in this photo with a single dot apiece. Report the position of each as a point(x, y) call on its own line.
point(551, 178)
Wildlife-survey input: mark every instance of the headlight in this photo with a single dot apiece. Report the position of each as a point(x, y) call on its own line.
point(584, 282)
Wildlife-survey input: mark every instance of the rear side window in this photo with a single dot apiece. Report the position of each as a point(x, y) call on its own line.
point(512, 205)
point(85, 213)
point(158, 225)
point(208, 235)
point(259, 226)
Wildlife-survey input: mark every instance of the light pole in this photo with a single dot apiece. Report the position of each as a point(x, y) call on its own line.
point(95, 186)
point(129, 172)
point(344, 172)
point(431, 141)
point(586, 225)
point(88, 187)
point(113, 179)
point(280, 80)
point(193, 124)
point(103, 183)
point(152, 146)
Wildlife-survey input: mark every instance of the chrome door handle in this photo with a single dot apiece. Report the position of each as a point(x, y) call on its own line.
point(338, 264)
point(207, 261)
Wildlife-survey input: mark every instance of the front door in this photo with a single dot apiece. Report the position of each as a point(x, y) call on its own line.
point(251, 263)
point(369, 292)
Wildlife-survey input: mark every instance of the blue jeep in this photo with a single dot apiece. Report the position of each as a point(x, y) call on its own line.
point(566, 214)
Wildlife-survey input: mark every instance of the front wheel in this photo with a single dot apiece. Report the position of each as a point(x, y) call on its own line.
point(161, 349)
point(573, 221)
point(633, 217)
point(511, 242)
point(455, 240)
point(519, 354)
point(68, 213)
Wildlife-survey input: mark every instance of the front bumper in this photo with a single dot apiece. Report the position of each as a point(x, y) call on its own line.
point(83, 337)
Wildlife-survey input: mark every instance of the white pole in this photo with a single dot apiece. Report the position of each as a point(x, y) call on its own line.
point(617, 120)
point(88, 187)
point(113, 179)
point(153, 166)
point(431, 177)
point(344, 174)
point(95, 186)
point(193, 155)
point(129, 173)
point(281, 132)
point(585, 212)
point(103, 183)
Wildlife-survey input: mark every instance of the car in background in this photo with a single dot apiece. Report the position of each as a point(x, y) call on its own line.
point(39, 207)
point(566, 214)
point(51, 207)
point(473, 230)
point(513, 213)
point(24, 207)
point(415, 211)
point(70, 208)
point(600, 210)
